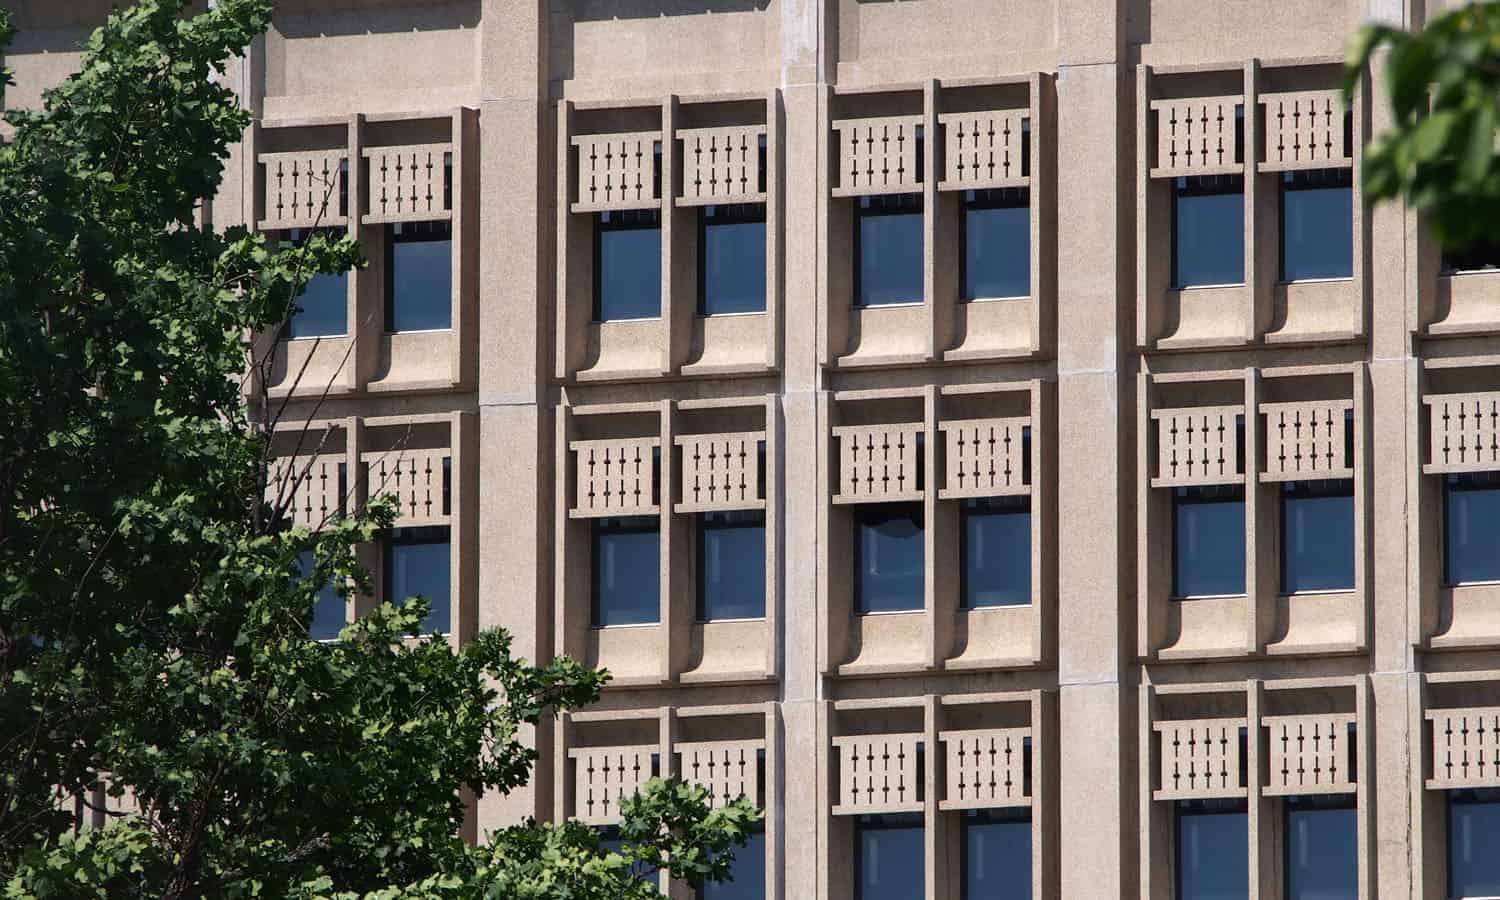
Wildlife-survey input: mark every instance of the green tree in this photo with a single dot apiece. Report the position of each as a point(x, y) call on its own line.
point(1439, 153)
point(153, 615)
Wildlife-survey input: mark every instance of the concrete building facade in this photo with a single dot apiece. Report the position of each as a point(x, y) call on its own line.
point(1233, 593)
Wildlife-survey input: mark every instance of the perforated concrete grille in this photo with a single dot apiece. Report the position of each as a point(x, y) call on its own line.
point(615, 477)
point(315, 486)
point(417, 479)
point(617, 171)
point(1465, 748)
point(984, 457)
point(1463, 432)
point(1199, 758)
point(409, 184)
point(728, 770)
point(302, 189)
point(1307, 440)
point(1305, 130)
point(1197, 445)
point(878, 463)
point(602, 776)
point(985, 768)
point(1309, 754)
point(1197, 136)
point(984, 149)
point(878, 156)
point(720, 471)
point(721, 165)
point(878, 773)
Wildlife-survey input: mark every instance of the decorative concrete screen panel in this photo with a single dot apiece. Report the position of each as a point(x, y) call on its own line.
point(984, 149)
point(316, 487)
point(409, 184)
point(1200, 758)
point(1305, 130)
point(878, 773)
point(615, 477)
point(302, 189)
point(1197, 136)
point(1307, 440)
point(728, 770)
point(602, 776)
point(1199, 445)
point(1309, 754)
point(617, 171)
point(1465, 748)
point(984, 457)
point(1463, 432)
point(878, 463)
point(878, 156)
point(418, 479)
point(720, 471)
point(721, 165)
point(985, 768)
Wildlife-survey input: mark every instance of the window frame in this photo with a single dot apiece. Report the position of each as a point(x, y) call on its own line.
point(972, 201)
point(603, 221)
point(1293, 181)
point(1321, 488)
point(1178, 184)
point(863, 510)
point(1176, 495)
point(297, 237)
point(969, 508)
point(1314, 802)
point(739, 215)
point(647, 524)
point(883, 822)
point(702, 525)
point(1205, 807)
point(1000, 815)
point(419, 535)
point(426, 231)
point(1446, 487)
point(1462, 797)
point(881, 206)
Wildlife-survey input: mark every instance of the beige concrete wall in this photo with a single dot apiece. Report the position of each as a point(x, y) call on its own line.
point(1103, 662)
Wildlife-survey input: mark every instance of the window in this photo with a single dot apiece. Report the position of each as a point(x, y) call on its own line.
point(997, 244)
point(1208, 537)
point(1317, 224)
point(996, 552)
point(888, 244)
point(1213, 850)
point(747, 874)
point(328, 607)
point(732, 259)
point(1317, 536)
point(627, 571)
point(732, 565)
point(888, 557)
point(997, 854)
point(1208, 231)
point(1471, 518)
point(1480, 256)
point(610, 841)
point(1473, 835)
point(419, 276)
point(418, 563)
point(1321, 849)
point(890, 862)
point(323, 307)
point(627, 265)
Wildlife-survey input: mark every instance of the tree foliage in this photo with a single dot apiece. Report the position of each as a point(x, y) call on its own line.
point(153, 614)
point(1440, 152)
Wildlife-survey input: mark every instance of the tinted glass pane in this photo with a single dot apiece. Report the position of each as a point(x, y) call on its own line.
point(1208, 231)
point(732, 565)
point(997, 244)
point(732, 260)
point(323, 307)
point(996, 552)
point(418, 564)
point(328, 608)
point(888, 557)
point(1472, 527)
point(888, 238)
point(611, 842)
point(1317, 224)
point(627, 265)
point(627, 571)
point(1213, 851)
point(420, 279)
point(1473, 841)
point(1476, 257)
point(1317, 536)
point(1208, 534)
point(997, 855)
point(1322, 856)
point(890, 860)
point(747, 874)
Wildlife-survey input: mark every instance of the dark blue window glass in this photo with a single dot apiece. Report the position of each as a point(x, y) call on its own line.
point(997, 854)
point(1477, 257)
point(1322, 848)
point(419, 563)
point(419, 276)
point(627, 571)
point(890, 862)
point(611, 842)
point(888, 557)
point(732, 565)
point(1317, 536)
point(1473, 840)
point(1208, 231)
point(888, 241)
point(996, 552)
point(627, 265)
point(1213, 850)
point(323, 307)
point(1471, 531)
point(732, 259)
point(328, 608)
point(1208, 537)
point(997, 243)
point(747, 874)
point(1317, 224)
